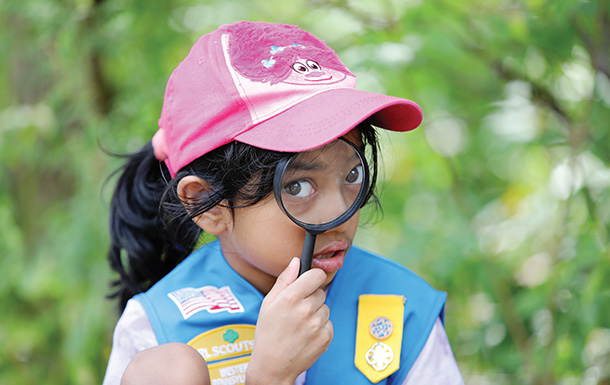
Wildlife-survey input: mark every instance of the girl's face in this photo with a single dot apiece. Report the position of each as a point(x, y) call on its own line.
point(261, 241)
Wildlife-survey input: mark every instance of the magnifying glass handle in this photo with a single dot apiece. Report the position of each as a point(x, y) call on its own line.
point(307, 253)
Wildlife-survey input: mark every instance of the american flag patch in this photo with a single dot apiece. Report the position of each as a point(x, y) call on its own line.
point(191, 300)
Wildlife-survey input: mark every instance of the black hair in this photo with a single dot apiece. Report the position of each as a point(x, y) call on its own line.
point(151, 229)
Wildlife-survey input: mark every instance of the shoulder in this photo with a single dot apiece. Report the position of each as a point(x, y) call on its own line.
point(435, 363)
point(424, 305)
point(364, 276)
point(192, 267)
point(133, 331)
point(132, 334)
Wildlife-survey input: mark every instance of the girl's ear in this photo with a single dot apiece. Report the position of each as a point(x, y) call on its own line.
point(214, 221)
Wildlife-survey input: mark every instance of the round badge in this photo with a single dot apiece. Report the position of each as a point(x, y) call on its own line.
point(379, 356)
point(381, 328)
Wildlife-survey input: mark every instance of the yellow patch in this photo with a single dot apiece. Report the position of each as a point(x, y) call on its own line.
point(227, 351)
point(379, 335)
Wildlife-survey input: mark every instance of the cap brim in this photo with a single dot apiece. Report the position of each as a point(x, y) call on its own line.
point(328, 115)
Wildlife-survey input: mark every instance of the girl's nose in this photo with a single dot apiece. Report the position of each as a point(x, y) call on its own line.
point(337, 204)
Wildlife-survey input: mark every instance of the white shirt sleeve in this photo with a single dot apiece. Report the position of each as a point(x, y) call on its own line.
point(132, 334)
point(435, 363)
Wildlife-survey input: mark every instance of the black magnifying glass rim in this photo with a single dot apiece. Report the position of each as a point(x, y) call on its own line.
point(322, 227)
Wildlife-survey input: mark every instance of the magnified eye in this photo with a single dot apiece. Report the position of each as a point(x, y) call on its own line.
point(355, 175)
point(300, 68)
point(298, 189)
point(313, 65)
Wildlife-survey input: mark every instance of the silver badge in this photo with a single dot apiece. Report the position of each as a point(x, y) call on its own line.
point(381, 328)
point(379, 356)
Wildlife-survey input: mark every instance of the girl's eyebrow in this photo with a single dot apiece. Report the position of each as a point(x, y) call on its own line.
point(301, 165)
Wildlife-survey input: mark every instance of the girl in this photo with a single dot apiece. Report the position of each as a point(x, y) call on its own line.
point(235, 310)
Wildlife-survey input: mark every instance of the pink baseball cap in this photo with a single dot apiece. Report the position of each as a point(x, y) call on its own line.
point(272, 86)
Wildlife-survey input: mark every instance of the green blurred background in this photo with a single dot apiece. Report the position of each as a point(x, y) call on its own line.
point(501, 198)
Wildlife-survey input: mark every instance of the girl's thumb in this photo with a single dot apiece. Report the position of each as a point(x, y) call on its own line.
point(288, 276)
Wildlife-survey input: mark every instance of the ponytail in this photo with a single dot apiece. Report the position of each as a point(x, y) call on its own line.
point(141, 251)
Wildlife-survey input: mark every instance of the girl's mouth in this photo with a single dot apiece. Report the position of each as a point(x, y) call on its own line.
point(331, 258)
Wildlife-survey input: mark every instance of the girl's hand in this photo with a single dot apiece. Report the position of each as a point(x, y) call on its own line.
point(293, 328)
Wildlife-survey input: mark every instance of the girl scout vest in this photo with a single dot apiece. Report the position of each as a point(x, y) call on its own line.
point(382, 314)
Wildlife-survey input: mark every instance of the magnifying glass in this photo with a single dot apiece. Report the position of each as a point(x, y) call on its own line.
point(321, 189)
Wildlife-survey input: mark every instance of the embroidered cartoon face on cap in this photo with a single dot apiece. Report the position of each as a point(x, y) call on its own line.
point(283, 54)
point(308, 71)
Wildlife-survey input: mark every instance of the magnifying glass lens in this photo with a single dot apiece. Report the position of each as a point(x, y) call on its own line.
point(320, 185)
point(321, 189)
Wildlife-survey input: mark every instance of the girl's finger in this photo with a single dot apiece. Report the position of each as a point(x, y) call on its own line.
point(317, 298)
point(308, 282)
point(285, 279)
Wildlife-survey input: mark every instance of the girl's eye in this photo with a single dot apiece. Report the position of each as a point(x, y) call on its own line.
point(300, 68)
point(298, 188)
point(313, 65)
point(355, 175)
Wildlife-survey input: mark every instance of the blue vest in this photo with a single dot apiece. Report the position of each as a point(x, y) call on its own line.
point(177, 313)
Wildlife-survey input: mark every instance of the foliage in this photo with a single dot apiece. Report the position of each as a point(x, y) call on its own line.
point(501, 198)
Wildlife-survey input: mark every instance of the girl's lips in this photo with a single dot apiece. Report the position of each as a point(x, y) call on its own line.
point(331, 258)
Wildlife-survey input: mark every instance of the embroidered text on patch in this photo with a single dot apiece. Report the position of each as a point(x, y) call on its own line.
point(191, 300)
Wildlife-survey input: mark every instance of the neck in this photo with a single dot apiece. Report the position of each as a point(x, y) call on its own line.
point(262, 281)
